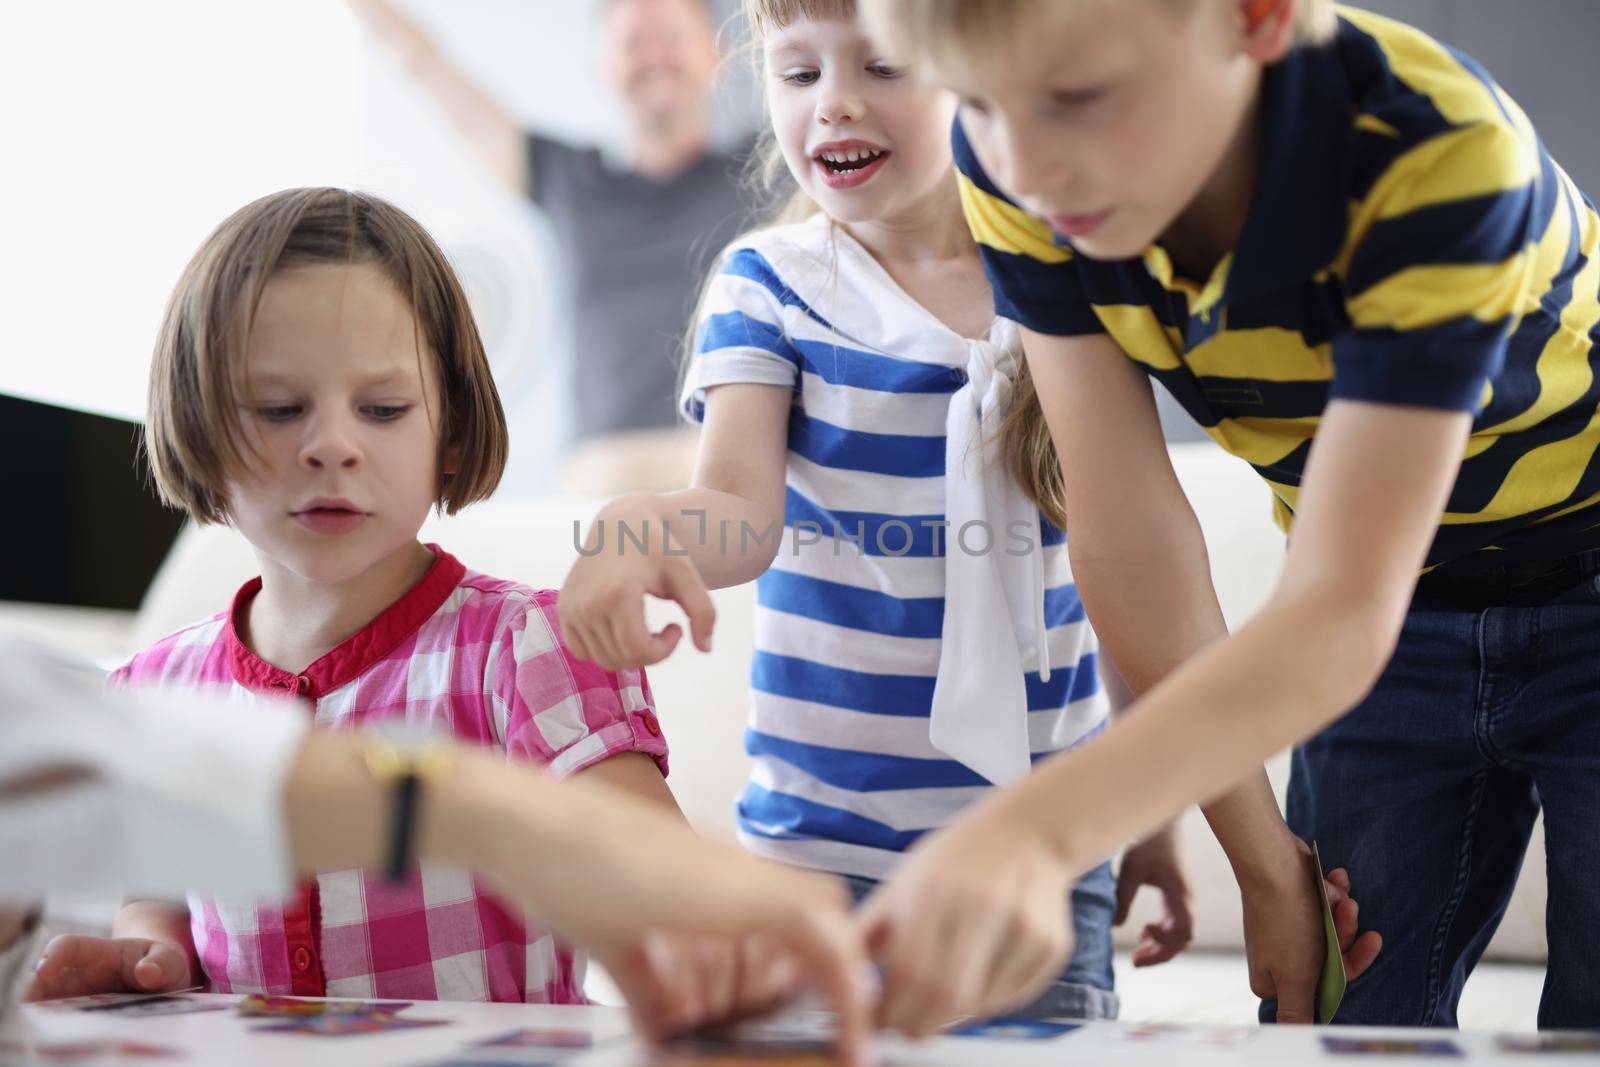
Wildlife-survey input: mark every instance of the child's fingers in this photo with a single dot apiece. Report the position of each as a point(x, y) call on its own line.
point(958, 983)
point(1341, 878)
point(682, 583)
point(718, 959)
point(629, 642)
point(1021, 967)
point(73, 964)
point(1346, 923)
point(829, 946)
point(1181, 930)
point(1127, 888)
point(1362, 954)
point(1160, 942)
point(1296, 1000)
point(161, 969)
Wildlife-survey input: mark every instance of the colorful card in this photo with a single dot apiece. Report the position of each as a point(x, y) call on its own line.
point(94, 1001)
point(1554, 1043)
point(1331, 986)
point(1185, 1034)
point(345, 1025)
point(540, 1039)
point(101, 1050)
point(295, 1007)
point(1013, 1029)
point(156, 1006)
point(1390, 1046)
point(794, 1033)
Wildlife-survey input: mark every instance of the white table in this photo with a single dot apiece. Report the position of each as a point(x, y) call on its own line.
point(224, 1038)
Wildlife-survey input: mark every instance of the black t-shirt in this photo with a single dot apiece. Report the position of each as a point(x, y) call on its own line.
point(635, 252)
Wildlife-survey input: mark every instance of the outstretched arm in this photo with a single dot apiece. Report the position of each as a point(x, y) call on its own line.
point(496, 135)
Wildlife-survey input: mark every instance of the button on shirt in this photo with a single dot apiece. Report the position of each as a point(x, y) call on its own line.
point(474, 657)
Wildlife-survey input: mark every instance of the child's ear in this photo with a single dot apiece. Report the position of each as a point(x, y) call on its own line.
point(1268, 28)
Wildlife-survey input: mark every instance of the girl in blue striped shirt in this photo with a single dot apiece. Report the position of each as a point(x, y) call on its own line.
point(874, 456)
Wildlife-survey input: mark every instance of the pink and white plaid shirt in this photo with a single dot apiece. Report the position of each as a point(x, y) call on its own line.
point(475, 656)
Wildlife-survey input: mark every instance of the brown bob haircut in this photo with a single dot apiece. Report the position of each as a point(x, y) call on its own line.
point(193, 435)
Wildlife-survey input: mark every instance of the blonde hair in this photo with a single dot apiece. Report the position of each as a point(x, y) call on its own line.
point(778, 199)
point(940, 33)
point(193, 437)
point(1030, 455)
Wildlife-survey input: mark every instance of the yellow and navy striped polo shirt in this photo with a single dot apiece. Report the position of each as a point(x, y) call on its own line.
point(1411, 243)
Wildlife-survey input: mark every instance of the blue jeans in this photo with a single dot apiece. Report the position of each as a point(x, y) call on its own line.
point(1086, 989)
point(1428, 790)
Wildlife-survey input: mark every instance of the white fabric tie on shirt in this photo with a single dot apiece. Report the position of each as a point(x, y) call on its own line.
point(994, 594)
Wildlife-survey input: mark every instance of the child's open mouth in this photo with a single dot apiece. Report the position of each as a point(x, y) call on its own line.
point(843, 167)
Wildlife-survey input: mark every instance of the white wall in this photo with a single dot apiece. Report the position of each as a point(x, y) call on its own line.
point(132, 127)
point(130, 130)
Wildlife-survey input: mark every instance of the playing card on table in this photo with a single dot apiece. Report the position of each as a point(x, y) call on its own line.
point(156, 1006)
point(345, 1025)
point(258, 1005)
point(1556, 1043)
point(1008, 1029)
point(99, 1001)
point(1390, 1046)
point(534, 1038)
point(1185, 1034)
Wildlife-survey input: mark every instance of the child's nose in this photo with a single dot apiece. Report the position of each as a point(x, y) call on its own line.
point(329, 446)
point(837, 106)
point(1029, 169)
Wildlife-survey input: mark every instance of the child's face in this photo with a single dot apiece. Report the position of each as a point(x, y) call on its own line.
point(831, 95)
point(1110, 118)
point(343, 415)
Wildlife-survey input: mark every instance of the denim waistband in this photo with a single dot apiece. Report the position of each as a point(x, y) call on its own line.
point(1519, 583)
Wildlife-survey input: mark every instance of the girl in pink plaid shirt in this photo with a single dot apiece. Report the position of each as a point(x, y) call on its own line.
point(318, 383)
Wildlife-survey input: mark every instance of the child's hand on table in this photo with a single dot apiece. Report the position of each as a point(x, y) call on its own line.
point(1285, 941)
point(976, 921)
point(74, 965)
point(675, 983)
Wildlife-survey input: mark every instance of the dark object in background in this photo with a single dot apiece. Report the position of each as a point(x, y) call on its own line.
point(79, 524)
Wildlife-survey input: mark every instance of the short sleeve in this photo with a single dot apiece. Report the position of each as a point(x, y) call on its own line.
point(1036, 279)
point(740, 336)
point(559, 712)
point(551, 166)
point(1439, 270)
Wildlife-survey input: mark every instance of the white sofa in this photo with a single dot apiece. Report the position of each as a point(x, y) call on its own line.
point(702, 701)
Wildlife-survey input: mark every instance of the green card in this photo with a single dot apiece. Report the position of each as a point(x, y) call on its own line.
point(1330, 987)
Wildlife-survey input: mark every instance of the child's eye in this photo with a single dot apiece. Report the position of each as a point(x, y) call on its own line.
point(1069, 100)
point(799, 77)
point(884, 70)
point(385, 412)
point(277, 412)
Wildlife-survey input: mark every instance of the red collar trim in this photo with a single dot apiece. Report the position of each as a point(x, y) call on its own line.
point(355, 653)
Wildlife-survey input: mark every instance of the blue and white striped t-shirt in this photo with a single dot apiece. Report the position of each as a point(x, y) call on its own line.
point(849, 616)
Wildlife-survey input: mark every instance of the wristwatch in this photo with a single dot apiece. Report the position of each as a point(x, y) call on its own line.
point(406, 755)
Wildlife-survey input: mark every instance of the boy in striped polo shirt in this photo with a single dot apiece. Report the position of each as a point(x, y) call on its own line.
point(1341, 246)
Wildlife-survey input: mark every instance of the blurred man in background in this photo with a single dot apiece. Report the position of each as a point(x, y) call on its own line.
point(635, 234)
